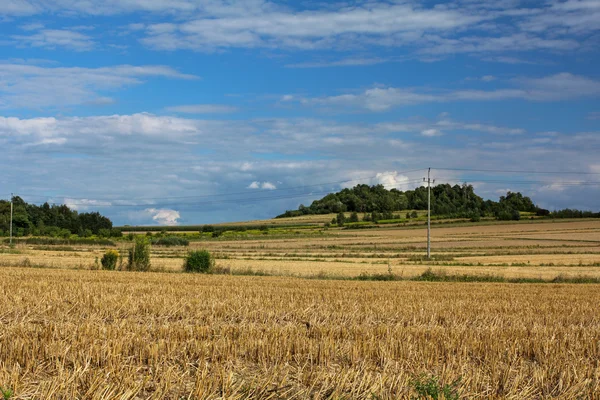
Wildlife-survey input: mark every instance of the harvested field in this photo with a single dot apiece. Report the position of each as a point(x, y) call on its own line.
point(104, 335)
point(528, 249)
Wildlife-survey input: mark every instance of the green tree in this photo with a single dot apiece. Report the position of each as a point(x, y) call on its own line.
point(340, 219)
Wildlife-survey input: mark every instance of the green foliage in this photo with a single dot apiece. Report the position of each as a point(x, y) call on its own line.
point(139, 255)
point(431, 388)
point(6, 393)
point(85, 233)
point(199, 261)
point(458, 201)
point(46, 220)
point(506, 213)
point(207, 228)
point(340, 219)
point(109, 260)
point(353, 217)
point(61, 241)
point(169, 241)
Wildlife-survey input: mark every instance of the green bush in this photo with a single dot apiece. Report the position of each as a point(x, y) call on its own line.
point(199, 261)
point(109, 260)
point(139, 255)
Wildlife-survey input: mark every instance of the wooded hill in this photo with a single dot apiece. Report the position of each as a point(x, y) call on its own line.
point(458, 201)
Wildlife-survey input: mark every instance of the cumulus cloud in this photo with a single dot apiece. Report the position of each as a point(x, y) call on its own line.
point(392, 180)
point(164, 216)
point(263, 185)
point(268, 186)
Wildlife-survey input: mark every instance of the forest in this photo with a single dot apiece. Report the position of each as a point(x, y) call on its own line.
point(457, 201)
point(51, 220)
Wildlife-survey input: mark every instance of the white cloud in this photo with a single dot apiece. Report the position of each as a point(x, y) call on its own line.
point(164, 216)
point(431, 31)
point(392, 180)
point(268, 186)
point(431, 132)
point(53, 38)
point(18, 7)
point(203, 109)
point(594, 115)
point(272, 26)
point(83, 204)
point(345, 62)
point(40, 152)
point(488, 78)
point(38, 87)
point(263, 185)
point(562, 86)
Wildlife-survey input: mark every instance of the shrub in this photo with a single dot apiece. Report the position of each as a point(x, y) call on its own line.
point(354, 217)
point(475, 217)
point(139, 255)
point(109, 260)
point(207, 228)
point(104, 233)
point(199, 261)
point(115, 232)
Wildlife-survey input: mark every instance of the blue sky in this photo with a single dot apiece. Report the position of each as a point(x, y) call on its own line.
point(202, 111)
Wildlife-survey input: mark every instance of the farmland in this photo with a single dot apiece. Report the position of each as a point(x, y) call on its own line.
point(71, 331)
point(529, 249)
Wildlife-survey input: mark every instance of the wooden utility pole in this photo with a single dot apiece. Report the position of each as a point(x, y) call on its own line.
point(11, 217)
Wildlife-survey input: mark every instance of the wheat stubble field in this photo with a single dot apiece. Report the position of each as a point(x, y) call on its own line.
point(103, 335)
point(70, 332)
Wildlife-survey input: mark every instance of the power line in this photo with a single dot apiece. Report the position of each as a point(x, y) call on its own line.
point(526, 182)
point(219, 201)
point(519, 171)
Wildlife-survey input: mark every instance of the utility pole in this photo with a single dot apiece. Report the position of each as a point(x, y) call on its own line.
point(11, 216)
point(429, 182)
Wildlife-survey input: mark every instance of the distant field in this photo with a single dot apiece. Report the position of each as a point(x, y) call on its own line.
point(538, 249)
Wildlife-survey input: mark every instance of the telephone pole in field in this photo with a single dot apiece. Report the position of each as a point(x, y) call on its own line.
point(11, 216)
point(429, 182)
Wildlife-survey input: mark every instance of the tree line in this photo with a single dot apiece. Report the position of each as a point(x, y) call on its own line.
point(52, 220)
point(452, 201)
